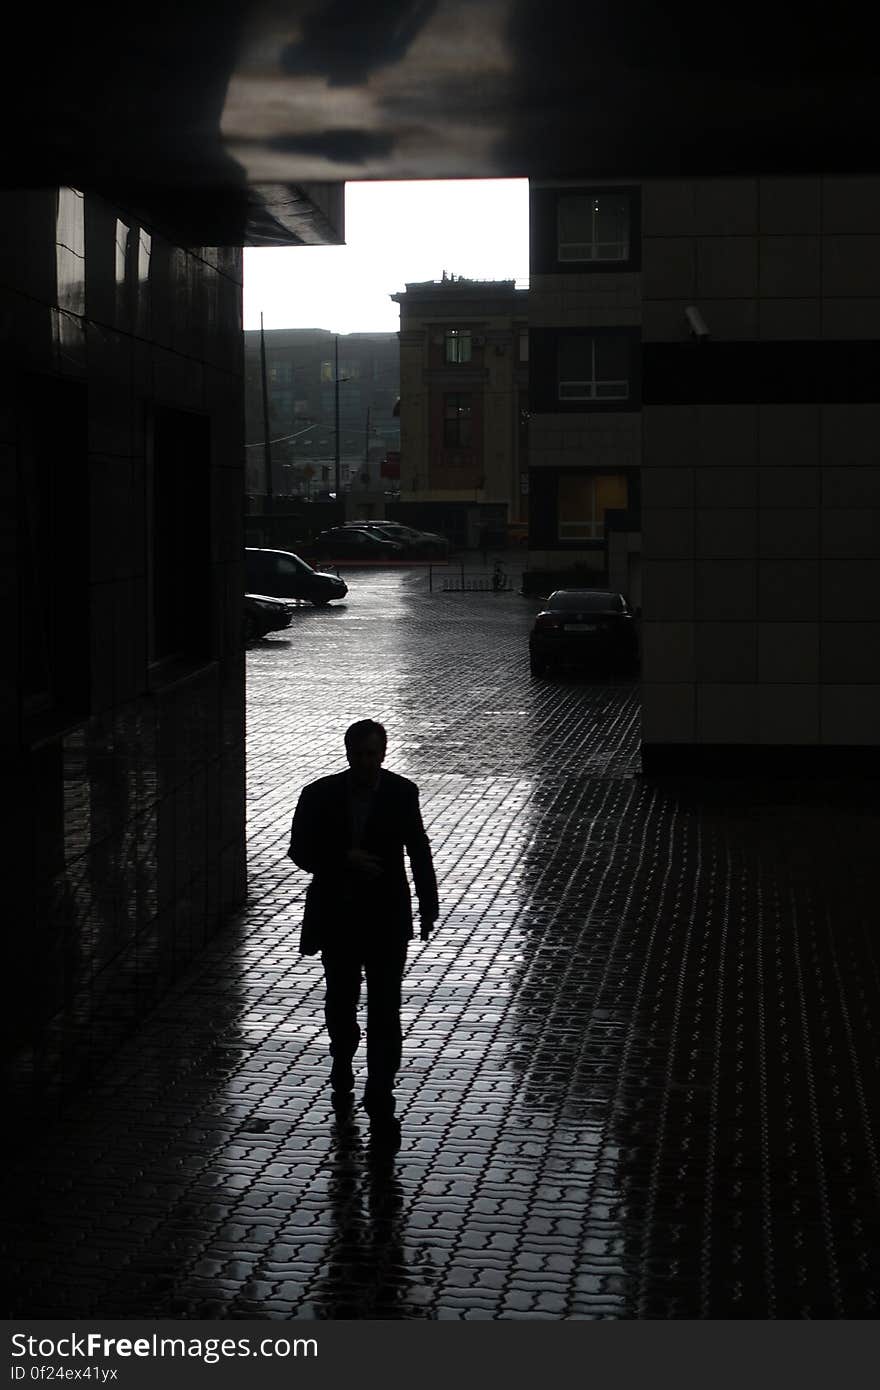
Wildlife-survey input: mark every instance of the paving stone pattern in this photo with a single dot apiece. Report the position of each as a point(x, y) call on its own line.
point(641, 1053)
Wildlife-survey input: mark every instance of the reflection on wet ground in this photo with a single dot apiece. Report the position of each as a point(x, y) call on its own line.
point(640, 1058)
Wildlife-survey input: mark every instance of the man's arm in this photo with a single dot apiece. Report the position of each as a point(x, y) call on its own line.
point(314, 839)
point(418, 848)
point(303, 845)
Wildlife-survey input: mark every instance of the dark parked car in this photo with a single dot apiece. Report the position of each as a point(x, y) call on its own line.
point(584, 627)
point(418, 543)
point(263, 614)
point(282, 574)
point(355, 544)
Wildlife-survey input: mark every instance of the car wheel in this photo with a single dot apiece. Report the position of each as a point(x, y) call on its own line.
point(320, 602)
point(250, 630)
point(537, 668)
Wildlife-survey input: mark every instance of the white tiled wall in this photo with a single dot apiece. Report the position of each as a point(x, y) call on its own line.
point(585, 301)
point(761, 523)
point(602, 440)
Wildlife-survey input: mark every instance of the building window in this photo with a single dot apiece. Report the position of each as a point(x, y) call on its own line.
point(458, 345)
point(281, 374)
point(348, 371)
point(457, 421)
point(583, 501)
point(593, 227)
point(593, 367)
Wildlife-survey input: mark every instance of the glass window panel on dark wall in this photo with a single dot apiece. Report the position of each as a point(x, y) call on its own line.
point(593, 227)
point(457, 420)
point(458, 345)
point(180, 552)
point(593, 367)
point(583, 502)
point(54, 522)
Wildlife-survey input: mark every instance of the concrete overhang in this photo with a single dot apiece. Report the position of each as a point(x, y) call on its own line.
point(223, 116)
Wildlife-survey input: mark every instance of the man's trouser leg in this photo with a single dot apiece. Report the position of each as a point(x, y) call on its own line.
point(384, 972)
point(342, 972)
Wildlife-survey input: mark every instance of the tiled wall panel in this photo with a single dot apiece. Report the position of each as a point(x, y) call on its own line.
point(761, 522)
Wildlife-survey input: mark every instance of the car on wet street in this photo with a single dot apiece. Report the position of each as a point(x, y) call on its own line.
point(427, 545)
point(588, 628)
point(263, 614)
point(353, 545)
point(281, 574)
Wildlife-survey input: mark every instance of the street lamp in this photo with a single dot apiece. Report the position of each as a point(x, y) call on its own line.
point(337, 379)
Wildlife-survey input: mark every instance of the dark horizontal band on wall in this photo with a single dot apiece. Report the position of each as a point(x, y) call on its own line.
point(750, 762)
point(779, 373)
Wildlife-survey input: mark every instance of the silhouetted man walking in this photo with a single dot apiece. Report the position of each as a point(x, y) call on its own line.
point(350, 830)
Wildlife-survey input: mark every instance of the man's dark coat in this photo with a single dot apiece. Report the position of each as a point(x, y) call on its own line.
point(340, 901)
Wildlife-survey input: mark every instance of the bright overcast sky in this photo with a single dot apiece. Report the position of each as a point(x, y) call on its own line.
point(394, 232)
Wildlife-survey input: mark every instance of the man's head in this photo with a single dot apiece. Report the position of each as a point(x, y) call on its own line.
point(365, 744)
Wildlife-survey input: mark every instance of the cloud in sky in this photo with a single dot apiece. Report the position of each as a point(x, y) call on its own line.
point(395, 232)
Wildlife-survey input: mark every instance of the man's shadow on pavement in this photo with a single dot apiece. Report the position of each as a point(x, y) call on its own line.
point(366, 1275)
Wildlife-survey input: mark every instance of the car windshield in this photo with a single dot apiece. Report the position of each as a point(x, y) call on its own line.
point(586, 601)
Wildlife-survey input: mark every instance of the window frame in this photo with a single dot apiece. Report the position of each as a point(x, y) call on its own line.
point(544, 258)
point(592, 258)
point(458, 338)
point(463, 415)
point(593, 527)
point(592, 395)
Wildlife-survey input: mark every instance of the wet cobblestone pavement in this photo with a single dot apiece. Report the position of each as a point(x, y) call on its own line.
point(641, 1052)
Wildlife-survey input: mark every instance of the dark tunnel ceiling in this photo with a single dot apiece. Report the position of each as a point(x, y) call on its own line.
point(216, 96)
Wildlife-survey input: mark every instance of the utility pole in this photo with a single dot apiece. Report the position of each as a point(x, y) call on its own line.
point(267, 447)
point(336, 419)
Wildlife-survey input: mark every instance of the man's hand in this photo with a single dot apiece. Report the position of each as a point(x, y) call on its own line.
point(369, 865)
point(427, 920)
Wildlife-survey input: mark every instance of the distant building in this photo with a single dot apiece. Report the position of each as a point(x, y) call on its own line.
point(463, 406)
point(301, 381)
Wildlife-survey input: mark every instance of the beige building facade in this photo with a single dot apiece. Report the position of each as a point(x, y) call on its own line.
point(464, 404)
